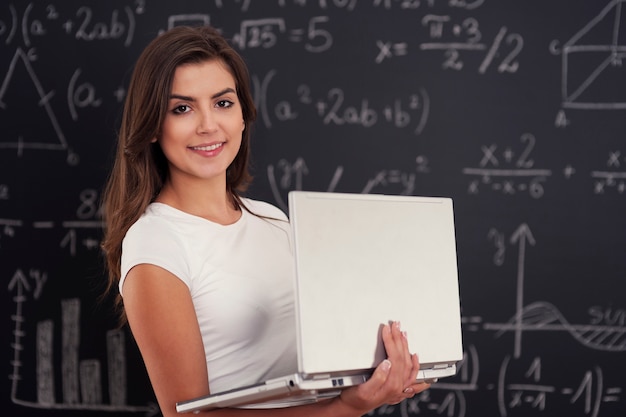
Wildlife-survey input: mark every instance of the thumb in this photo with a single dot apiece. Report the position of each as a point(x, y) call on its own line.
point(381, 373)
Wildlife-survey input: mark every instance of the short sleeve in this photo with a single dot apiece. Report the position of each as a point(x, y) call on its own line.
point(150, 241)
point(264, 209)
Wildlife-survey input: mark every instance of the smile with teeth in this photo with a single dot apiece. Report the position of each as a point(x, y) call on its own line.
point(207, 148)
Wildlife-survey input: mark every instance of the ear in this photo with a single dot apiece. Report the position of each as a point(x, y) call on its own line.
point(243, 125)
point(153, 140)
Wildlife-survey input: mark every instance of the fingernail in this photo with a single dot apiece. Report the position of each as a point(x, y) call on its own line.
point(386, 365)
point(407, 390)
point(404, 334)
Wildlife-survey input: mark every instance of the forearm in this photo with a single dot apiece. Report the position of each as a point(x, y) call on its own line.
point(393, 381)
point(334, 407)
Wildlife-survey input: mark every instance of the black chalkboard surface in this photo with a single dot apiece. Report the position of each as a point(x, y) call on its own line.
point(515, 109)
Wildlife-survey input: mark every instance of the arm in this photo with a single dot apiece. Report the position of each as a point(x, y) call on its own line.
point(163, 321)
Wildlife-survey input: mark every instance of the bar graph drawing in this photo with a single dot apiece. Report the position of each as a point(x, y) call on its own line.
point(81, 379)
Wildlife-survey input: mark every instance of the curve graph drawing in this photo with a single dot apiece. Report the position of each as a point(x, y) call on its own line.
point(543, 316)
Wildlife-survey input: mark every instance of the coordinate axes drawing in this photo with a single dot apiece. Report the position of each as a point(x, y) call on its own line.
point(543, 316)
point(82, 386)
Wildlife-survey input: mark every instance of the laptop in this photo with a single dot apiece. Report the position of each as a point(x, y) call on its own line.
point(362, 260)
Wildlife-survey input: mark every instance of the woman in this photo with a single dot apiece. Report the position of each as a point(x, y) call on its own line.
point(205, 273)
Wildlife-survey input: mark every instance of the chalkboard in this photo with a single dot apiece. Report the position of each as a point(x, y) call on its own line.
point(515, 109)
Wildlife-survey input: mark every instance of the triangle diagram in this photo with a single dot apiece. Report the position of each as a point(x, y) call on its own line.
point(28, 120)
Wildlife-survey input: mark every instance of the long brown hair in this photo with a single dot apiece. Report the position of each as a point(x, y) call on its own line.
point(140, 168)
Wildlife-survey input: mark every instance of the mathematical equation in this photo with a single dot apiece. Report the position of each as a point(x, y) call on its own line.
point(28, 27)
point(613, 176)
point(285, 176)
point(35, 22)
point(456, 37)
point(351, 5)
point(521, 387)
point(453, 38)
point(510, 171)
point(334, 107)
point(85, 232)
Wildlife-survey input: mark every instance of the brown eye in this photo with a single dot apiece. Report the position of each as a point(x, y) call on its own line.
point(183, 108)
point(224, 103)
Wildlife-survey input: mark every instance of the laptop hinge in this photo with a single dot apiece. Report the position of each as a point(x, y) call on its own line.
point(321, 376)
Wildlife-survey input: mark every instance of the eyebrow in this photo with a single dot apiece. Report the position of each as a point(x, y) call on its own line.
point(216, 95)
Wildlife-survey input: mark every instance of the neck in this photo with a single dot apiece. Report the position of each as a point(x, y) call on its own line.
point(202, 200)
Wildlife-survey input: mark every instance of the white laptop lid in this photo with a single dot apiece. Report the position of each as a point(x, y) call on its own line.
point(365, 259)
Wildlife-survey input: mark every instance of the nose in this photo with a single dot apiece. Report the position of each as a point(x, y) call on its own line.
point(207, 122)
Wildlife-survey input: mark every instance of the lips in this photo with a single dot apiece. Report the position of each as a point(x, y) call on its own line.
point(207, 148)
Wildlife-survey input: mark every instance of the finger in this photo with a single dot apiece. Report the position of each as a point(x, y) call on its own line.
point(397, 347)
point(405, 365)
point(380, 376)
point(411, 381)
point(416, 388)
point(402, 347)
point(415, 367)
point(371, 393)
point(405, 342)
point(409, 360)
point(394, 343)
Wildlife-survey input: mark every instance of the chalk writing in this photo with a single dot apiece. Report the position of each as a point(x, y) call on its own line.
point(543, 316)
point(88, 221)
point(285, 176)
point(33, 24)
point(20, 143)
point(88, 29)
point(333, 107)
point(81, 379)
point(530, 392)
point(467, 36)
point(81, 95)
point(578, 92)
point(443, 97)
point(516, 168)
point(265, 33)
point(417, 4)
point(386, 180)
point(613, 177)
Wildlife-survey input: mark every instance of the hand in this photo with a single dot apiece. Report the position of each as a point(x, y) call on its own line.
point(393, 381)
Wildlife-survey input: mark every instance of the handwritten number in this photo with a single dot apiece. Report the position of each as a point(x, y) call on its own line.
point(452, 60)
point(321, 37)
point(508, 63)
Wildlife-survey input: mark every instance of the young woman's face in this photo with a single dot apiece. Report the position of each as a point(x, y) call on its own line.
point(202, 130)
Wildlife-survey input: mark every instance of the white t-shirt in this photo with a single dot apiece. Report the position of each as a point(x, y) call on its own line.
point(240, 279)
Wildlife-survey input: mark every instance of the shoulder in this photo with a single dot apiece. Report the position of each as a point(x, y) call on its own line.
point(157, 238)
point(152, 225)
point(264, 209)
